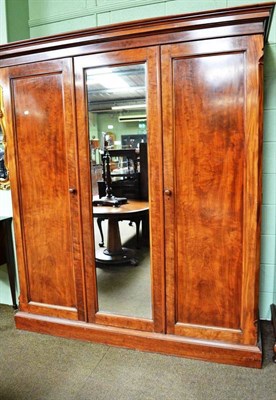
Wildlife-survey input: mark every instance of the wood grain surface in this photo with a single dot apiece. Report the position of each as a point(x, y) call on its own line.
point(211, 161)
point(204, 121)
point(46, 165)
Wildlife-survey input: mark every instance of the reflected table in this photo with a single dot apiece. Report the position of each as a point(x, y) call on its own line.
point(115, 253)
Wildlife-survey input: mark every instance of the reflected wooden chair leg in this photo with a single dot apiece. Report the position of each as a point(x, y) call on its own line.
point(145, 230)
point(99, 222)
point(137, 222)
point(138, 244)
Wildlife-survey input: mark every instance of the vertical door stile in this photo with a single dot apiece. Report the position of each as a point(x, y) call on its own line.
point(253, 188)
point(85, 194)
point(74, 192)
point(156, 184)
point(169, 188)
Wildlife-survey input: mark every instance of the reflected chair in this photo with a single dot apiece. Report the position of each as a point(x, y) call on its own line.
point(129, 178)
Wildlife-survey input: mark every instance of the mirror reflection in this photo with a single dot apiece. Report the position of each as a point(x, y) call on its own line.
point(4, 176)
point(119, 174)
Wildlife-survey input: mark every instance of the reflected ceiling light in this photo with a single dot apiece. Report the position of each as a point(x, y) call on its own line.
point(129, 107)
point(107, 79)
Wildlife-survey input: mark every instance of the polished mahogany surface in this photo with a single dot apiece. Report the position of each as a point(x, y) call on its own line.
point(46, 170)
point(204, 115)
point(213, 177)
point(209, 150)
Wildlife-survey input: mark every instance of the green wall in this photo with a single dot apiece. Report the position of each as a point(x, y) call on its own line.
point(47, 17)
point(119, 128)
point(3, 22)
point(17, 14)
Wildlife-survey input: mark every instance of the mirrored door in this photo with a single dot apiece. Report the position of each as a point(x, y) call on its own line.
point(122, 186)
point(117, 115)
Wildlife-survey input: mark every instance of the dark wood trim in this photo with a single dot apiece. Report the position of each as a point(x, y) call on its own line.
point(207, 350)
point(133, 43)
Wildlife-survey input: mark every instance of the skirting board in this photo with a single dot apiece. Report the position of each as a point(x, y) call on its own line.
point(220, 352)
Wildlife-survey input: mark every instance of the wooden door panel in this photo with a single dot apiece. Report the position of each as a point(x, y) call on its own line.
point(209, 142)
point(46, 163)
point(209, 182)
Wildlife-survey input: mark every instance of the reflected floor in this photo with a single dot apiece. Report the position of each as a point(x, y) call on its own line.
point(125, 289)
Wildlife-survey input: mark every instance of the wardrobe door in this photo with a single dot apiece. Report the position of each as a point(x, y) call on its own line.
point(43, 166)
point(212, 150)
point(118, 100)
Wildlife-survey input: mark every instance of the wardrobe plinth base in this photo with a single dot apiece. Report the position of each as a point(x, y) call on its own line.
point(205, 350)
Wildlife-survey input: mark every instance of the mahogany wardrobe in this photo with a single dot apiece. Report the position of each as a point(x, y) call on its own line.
point(198, 81)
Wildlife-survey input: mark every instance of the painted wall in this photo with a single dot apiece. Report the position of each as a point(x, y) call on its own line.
point(119, 128)
point(3, 23)
point(54, 16)
point(48, 17)
point(17, 14)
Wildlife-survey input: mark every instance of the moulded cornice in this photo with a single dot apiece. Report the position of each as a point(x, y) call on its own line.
point(256, 19)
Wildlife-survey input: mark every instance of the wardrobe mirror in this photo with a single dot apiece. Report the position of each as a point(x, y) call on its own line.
point(4, 175)
point(117, 110)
